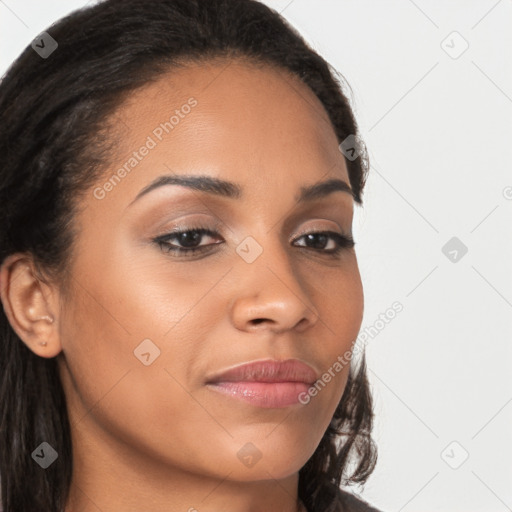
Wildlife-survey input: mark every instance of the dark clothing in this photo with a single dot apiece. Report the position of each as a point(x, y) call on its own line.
point(342, 501)
point(354, 504)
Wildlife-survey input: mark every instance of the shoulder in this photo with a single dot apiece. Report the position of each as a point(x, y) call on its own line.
point(352, 503)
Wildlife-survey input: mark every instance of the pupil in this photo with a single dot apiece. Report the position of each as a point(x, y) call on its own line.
point(321, 237)
point(190, 239)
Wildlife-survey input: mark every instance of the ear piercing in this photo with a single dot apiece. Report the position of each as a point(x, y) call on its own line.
point(46, 317)
point(50, 319)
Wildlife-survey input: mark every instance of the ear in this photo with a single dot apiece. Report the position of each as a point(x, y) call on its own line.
point(30, 305)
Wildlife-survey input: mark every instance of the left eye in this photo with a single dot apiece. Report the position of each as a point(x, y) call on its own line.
point(189, 240)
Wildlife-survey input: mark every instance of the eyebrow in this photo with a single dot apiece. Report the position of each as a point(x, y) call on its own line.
point(230, 190)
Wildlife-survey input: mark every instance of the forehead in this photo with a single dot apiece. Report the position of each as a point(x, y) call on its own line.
point(249, 111)
point(228, 85)
point(249, 124)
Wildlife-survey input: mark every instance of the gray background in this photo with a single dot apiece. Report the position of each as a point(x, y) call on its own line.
point(437, 121)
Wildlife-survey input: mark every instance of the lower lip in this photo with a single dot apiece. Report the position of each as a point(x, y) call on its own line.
point(263, 394)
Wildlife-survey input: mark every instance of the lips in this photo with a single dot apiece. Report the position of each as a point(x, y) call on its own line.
point(291, 370)
point(266, 384)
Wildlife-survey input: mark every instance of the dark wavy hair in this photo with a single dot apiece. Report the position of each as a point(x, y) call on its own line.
point(55, 142)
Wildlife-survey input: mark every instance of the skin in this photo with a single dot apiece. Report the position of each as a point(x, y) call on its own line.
point(154, 437)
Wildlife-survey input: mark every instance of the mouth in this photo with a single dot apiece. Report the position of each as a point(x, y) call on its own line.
point(267, 383)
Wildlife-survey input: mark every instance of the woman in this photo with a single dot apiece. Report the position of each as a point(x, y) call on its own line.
point(178, 278)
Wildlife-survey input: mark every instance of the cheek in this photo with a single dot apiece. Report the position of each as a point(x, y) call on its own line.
point(114, 325)
point(337, 294)
point(150, 407)
point(339, 299)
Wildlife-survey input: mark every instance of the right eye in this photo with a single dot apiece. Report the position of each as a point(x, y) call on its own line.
point(188, 239)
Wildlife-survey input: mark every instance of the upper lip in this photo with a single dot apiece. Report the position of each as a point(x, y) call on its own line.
point(268, 370)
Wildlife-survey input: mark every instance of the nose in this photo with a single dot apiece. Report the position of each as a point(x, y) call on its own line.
point(271, 295)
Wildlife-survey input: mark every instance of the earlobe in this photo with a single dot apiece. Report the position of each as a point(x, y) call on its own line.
point(29, 305)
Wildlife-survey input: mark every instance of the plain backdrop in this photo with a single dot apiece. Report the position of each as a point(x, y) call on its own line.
point(432, 91)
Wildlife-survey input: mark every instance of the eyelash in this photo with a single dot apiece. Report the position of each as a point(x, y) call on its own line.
point(342, 242)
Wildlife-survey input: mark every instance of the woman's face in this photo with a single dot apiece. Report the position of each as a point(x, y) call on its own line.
point(146, 328)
